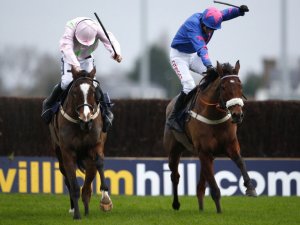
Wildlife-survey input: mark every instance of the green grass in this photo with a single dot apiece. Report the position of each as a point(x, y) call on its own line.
point(40, 209)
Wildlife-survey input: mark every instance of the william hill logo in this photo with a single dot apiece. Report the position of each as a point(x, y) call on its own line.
point(151, 177)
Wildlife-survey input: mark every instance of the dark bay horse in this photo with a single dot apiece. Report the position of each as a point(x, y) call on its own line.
point(210, 130)
point(76, 132)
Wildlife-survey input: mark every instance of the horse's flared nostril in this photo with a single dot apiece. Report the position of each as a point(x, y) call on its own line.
point(237, 117)
point(242, 115)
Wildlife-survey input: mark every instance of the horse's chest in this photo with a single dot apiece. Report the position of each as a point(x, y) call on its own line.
point(87, 140)
point(213, 143)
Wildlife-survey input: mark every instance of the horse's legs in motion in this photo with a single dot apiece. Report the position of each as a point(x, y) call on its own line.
point(247, 181)
point(106, 203)
point(174, 158)
point(62, 170)
point(208, 170)
point(90, 173)
point(71, 210)
point(70, 169)
point(201, 189)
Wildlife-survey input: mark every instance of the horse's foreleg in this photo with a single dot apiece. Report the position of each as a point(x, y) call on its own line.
point(90, 172)
point(201, 190)
point(174, 158)
point(105, 203)
point(62, 170)
point(208, 170)
point(247, 181)
point(71, 210)
point(70, 169)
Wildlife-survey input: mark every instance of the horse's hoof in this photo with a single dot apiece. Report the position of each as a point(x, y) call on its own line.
point(201, 209)
point(77, 217)
point(106, 203)
point(176, 205)
point(71, 211)
point(251, 193)
point(106, 207)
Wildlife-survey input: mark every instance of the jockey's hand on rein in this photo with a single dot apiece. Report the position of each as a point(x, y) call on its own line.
point(244, 8)
point(213, 70)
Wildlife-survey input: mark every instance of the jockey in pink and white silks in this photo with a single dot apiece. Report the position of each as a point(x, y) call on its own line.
point(79, 41)
point(189, 51)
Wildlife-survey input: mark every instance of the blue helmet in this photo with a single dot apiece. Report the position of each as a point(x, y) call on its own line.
point(212, 18)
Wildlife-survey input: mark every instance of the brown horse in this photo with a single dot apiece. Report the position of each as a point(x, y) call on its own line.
point(210, 130)
point(76, 132)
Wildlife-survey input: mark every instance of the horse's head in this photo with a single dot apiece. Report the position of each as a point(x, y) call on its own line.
point(82, 98)
point(231, 90)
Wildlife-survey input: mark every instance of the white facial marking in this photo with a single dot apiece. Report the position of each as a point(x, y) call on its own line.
point(85, 90)
point(231, 81)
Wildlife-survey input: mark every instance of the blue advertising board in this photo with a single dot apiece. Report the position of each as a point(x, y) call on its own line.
point(134, 176)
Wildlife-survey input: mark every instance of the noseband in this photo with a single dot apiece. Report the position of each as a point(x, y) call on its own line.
point(234, 101)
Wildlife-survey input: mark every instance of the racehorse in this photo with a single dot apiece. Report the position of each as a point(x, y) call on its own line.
point(76, 132)
point(210, 130)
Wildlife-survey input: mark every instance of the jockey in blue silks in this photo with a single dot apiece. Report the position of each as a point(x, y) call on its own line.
point(189, 50)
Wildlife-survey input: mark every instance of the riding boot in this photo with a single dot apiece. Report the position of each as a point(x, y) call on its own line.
point(49, 102)
point(106, 104)
point(172, 120)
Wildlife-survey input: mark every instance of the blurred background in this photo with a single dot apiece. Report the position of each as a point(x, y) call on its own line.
point(265, 40)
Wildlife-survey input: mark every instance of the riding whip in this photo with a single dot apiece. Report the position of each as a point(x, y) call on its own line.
point(224, 3)
point(105, 33)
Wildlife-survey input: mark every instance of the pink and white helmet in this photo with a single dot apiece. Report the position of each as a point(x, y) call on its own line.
point(212, 18)
point(86, 32)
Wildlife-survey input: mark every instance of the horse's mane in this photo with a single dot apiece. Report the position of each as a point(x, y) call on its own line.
point(210, 77)
point(227, 69)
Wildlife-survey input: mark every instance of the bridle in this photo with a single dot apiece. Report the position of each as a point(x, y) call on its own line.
point(95, 110)
point(222, 106)
point(231, 102)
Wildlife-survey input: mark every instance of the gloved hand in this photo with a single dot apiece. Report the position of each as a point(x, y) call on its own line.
point(118, 58)
point(244, 8)
point(212, 70)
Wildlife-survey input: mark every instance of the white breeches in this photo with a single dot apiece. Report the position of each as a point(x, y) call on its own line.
point(66, 74)
point(182, 64)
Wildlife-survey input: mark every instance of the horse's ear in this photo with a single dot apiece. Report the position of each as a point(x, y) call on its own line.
point(219, 69)
point(237, 67)
point(92, 73)
point(75, 73)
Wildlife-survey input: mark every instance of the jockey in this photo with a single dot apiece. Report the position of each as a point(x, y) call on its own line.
point(189, 51)
point(80, 39)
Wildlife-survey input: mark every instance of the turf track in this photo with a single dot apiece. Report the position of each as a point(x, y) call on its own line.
point(238, 210)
